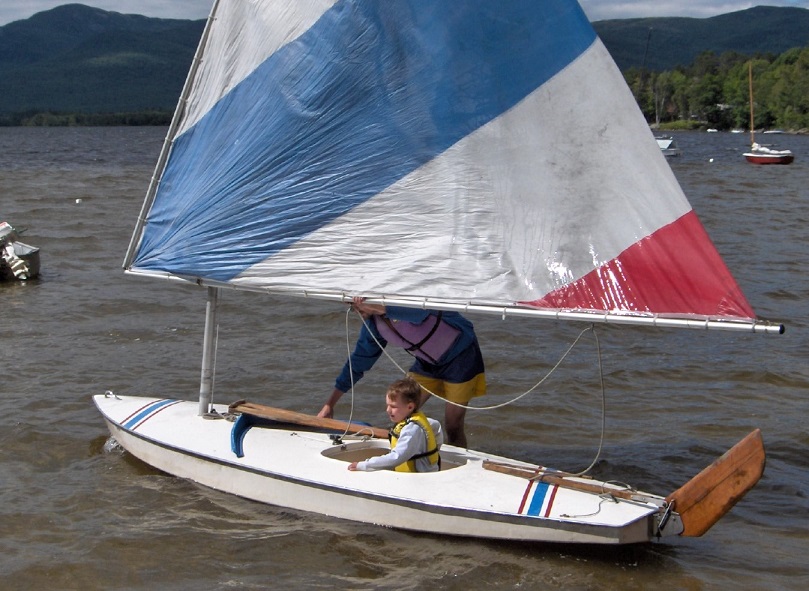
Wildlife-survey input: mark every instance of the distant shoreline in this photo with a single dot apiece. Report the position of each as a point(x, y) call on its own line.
point(49, 119)
point(163, 118)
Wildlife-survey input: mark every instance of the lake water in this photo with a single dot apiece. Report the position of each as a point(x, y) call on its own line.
point(74, 516)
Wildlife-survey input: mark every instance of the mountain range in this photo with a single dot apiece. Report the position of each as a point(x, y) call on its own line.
point(83, 59)
point(664, 43)
point(75, 58)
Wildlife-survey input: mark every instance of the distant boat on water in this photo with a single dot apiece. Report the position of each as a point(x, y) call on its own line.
point(668, 145)
point(18, 260)
point(759, 154)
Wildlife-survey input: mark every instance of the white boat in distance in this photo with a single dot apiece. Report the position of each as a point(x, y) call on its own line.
point(759, 154)
point(397, 150)
point(668, 146)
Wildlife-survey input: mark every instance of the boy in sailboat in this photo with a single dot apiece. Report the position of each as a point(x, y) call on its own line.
point(447, 358)
point(414, 440)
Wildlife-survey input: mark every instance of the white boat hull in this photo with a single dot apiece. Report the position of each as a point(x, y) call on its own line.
point(290, 466)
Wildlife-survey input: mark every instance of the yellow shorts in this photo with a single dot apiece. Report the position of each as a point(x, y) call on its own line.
point(460, 393)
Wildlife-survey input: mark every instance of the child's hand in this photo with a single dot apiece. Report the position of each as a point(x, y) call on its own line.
point(352, 466)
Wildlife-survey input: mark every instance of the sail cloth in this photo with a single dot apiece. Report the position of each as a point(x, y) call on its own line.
point(434, 151)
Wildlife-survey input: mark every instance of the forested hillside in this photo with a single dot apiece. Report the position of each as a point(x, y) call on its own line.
point(87, 61)
point(714, 92)
point(76, 65)
point(665, 43)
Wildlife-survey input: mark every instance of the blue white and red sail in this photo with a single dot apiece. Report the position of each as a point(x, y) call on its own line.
point(439, 152)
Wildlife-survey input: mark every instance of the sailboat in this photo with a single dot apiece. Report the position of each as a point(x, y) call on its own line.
point(419, 154)
point(759, 154)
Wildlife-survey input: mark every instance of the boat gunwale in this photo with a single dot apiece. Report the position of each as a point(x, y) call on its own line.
point(512, 519)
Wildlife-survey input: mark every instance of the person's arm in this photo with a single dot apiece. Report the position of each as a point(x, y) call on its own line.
point(365, 354)
point(411, 442)
point(327, 412)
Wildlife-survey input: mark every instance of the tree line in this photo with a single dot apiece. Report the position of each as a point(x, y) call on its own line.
point(714, 92)
point(57, 119)
point(711, 92)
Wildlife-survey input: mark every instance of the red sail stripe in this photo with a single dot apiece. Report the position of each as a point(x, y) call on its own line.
point(674, 271)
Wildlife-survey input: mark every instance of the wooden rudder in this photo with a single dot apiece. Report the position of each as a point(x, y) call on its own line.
point(704, 499)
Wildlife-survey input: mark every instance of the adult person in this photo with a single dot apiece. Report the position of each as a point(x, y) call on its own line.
point(447, 358)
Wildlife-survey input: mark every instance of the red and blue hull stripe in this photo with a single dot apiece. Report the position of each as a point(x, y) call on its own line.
point(538, 499)
point(143, 414)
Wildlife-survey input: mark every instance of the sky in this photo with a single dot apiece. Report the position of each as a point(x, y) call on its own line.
point(12, 10)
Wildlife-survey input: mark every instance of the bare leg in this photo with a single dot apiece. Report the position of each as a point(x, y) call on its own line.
point(454, 424)
point(425, 396)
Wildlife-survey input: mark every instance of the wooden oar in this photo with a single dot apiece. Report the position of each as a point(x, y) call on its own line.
point(558, 480)
point(704, 499)
point(298, 418)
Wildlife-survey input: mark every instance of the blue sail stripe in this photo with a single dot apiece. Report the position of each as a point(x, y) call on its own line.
point(540, 492)
point(370, 93)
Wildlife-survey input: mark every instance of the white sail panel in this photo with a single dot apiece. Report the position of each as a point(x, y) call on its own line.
point(509, 213)
point(462, 152)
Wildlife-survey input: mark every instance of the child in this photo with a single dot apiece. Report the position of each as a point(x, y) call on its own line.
point(414, 440)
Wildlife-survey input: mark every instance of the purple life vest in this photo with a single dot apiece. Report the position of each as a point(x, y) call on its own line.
point(428, 341)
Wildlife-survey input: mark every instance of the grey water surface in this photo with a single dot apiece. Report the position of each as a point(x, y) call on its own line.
point(76, 514)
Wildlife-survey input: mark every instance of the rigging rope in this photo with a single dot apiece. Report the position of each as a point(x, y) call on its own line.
point(350, 368)
point(507, 402)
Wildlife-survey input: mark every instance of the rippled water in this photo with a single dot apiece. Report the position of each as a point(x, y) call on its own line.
point(76, 516)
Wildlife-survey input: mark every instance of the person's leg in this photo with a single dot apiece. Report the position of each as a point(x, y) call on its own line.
point(461, 394)
point(455, 414)
point(454, 424)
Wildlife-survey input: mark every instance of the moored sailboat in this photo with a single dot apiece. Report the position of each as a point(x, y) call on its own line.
point(759, 154)
point(397, 150)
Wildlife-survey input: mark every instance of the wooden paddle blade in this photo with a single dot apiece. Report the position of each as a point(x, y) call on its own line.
point(704, 499)
point(297, 418)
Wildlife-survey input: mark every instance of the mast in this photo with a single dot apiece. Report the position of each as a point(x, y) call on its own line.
point(643, 77)
point(209, 351)
point(750, 84)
